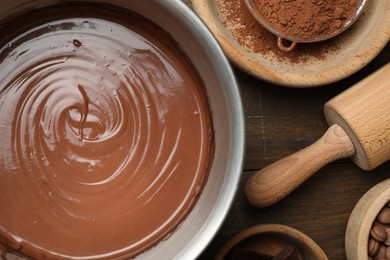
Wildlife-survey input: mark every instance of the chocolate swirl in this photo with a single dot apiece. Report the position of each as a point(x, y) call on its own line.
point(106, 138)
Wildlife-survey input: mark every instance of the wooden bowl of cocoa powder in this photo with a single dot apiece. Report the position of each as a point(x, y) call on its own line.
point(254, 49)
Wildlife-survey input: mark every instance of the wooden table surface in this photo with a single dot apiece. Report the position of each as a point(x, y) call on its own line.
point(281, 121)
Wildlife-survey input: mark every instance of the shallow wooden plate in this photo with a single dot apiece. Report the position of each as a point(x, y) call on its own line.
point(308, 65)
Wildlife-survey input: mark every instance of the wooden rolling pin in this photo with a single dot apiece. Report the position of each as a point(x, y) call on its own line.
point(359, 120)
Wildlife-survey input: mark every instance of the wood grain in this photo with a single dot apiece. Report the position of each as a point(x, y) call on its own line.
point(279, 122)
point(364, 112)
point(274, 182)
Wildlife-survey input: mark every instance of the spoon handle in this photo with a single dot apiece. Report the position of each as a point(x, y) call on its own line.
point(277, 180)
point(284, 47)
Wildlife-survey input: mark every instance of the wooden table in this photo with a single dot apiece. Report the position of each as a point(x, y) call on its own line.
point(280, 121)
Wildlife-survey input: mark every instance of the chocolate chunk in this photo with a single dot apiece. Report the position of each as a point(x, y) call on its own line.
point(247, 254)
point(289, 253)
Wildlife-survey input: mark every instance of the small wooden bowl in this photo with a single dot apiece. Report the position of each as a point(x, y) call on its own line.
point(320, 63)
point(270, 239)
point(362, 218)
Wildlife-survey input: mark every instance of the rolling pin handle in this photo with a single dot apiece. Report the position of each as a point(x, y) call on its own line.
point(277, 180)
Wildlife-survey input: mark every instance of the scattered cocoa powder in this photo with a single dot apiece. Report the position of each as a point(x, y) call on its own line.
point(306, 19)
point(250, 34)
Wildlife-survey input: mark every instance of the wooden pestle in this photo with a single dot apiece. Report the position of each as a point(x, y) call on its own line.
point(359, 120)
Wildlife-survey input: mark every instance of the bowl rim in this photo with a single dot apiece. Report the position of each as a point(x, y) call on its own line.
point(231, 184)
point(361, 219)
point(289, 232)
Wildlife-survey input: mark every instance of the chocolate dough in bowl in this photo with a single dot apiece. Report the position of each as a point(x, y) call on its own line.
point(121, 132)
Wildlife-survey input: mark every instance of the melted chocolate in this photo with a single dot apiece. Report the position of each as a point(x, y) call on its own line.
point(106, 136)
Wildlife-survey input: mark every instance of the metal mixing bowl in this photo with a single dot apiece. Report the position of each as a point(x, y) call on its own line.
point(193, 235)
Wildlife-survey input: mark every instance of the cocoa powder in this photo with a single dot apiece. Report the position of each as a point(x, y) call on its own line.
point(248, 33)
point(306, 20)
